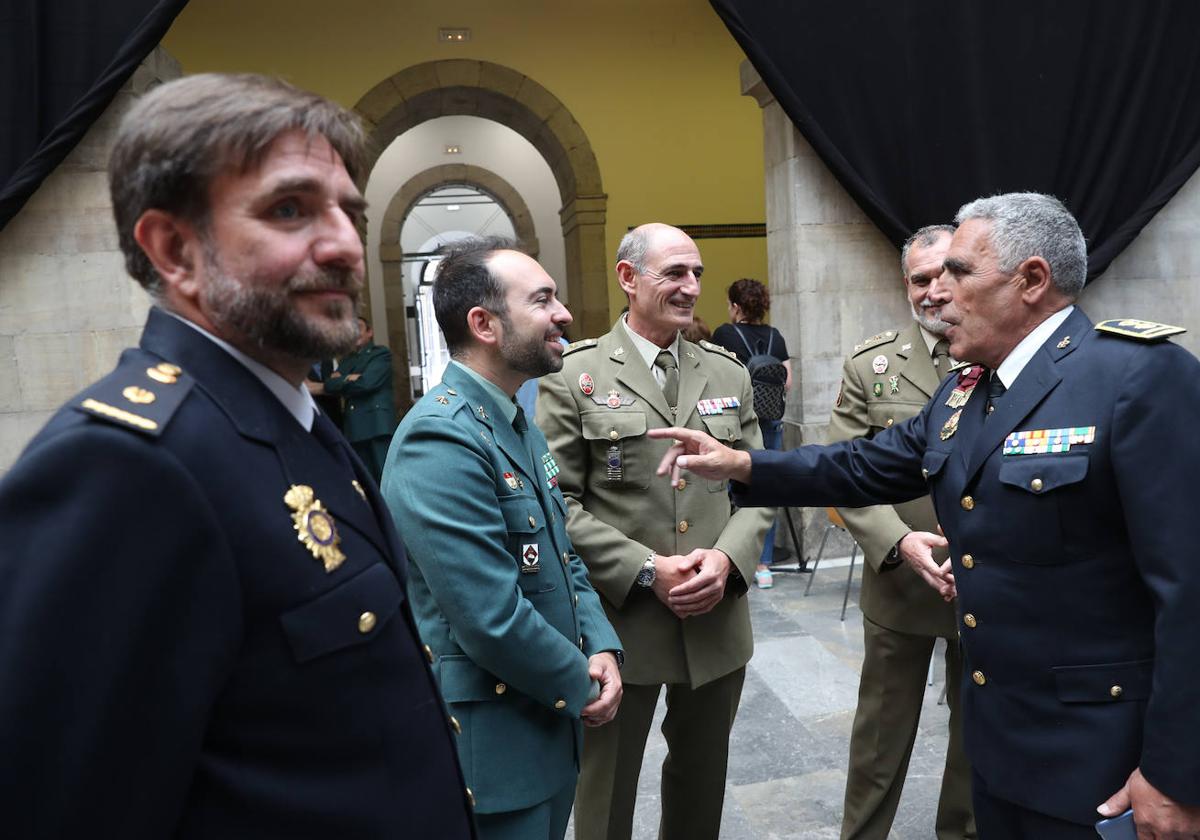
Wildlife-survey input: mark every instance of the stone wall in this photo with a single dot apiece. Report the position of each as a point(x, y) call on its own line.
point(67, 307)
point(835, 279)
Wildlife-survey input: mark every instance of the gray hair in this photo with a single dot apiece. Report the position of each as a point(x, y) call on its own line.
point(1028, 225)
point(923, 238)
point(633, 248)
point(180, 136)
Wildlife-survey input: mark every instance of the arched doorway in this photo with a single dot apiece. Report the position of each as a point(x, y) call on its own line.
point(491, 91)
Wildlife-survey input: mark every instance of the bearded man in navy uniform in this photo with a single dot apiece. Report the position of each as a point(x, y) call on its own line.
point(1059, 472)
point(205, 629)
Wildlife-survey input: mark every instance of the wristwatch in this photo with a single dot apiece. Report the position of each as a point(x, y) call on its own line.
point(893, 556)
point(645, 576)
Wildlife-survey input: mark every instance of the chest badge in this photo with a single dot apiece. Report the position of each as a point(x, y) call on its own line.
point(510, 480)
point(951, 426)
point(551, 468)
point(880, 364)
point(586, 384)
point(530, 565)
point(614, 399)
point(314, 526)
point(968, 378)
point(894, 384)
point(877, 389)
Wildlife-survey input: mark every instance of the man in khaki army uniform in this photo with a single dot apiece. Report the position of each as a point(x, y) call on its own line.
point(670, 562)
point(887, 379)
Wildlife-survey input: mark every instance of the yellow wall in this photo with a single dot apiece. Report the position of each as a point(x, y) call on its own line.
point(653, 83)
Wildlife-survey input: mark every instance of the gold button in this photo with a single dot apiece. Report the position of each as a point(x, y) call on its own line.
point(532, 522)
point(1116, 691)
point(1036, 485)
point(429, 653)
point(991, 408)
point(470, 798)
point(979, 678)
point(455, 725)
point(890, 422)
point(560, 704)
point(501, 688)
point(924, 473)
point(682, 484)
point(969, 620)
point(967, 503)
point(683, 526)
point(366, 622)
point(968, 561)
point(613, 435)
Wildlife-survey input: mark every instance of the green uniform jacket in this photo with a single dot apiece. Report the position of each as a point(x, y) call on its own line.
point(370, 411)
point(499, 595)
point(894, 598)
point(620, 510)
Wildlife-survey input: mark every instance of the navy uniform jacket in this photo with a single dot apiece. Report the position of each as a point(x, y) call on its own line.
point(499, 593)
point(1077, 580)
point(175, 662)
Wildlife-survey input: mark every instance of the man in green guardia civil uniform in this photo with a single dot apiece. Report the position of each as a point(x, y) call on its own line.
point(363, 380)
point(519, 643)
point(887, 379)
point(670, 562)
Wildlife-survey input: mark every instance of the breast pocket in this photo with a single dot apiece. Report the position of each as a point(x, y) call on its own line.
point(346, 616)
point(529, 542)
point(726, 428)
point(1035, 491)
point(884, 415)
point(619, 447)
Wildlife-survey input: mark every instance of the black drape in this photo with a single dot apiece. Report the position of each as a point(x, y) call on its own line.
point(62, 62)
point(918, 106)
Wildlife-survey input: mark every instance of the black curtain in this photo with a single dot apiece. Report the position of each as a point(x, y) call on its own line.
point(62, 62)
point(918, 106)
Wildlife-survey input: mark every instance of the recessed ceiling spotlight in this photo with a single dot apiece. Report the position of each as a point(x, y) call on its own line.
point(452, 208)
point(454, 35)
point(453, 149)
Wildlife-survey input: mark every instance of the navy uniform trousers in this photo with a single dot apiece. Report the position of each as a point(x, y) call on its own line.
point(1077, 584)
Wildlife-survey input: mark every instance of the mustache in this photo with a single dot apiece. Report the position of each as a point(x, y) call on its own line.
point(326, 280)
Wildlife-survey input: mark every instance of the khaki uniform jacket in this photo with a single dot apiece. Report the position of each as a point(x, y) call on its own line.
point(894, 598)
point(620, 511)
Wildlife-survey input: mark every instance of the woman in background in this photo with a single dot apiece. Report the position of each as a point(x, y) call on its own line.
point(746, 336)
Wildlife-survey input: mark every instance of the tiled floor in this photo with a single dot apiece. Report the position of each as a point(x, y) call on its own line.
point(787, 768)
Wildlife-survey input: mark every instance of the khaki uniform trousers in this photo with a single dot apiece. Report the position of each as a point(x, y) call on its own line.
point(890, 695)
point(696, 728)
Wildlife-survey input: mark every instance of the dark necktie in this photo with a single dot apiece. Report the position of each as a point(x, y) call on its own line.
point(670, 371)
point(520, 424)
point(330, 438)
point(995, 390)
point(941, 356)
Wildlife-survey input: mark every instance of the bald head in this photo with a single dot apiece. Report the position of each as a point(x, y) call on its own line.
point(639, 241)
point(659, 269)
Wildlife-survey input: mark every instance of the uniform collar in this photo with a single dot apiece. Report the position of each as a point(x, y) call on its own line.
point(1016, 361)
point(504, 403)
point(296, 399)
point(646, 348)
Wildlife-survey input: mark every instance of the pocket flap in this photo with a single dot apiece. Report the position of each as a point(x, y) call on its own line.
point(522, 514)
point(933, 462)
point(461, 680)
point(725, 429)
point(612, 425)
point(1108, 683)
point(331, 621)
point(1044, 473)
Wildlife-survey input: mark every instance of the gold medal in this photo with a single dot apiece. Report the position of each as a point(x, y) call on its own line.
point(314, 526)
point(951, 426)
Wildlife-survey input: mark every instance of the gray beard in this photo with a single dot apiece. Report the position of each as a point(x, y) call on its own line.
point(935, 325)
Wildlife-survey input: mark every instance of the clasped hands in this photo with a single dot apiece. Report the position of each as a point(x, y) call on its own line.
point(691, 584)
point(706, 457)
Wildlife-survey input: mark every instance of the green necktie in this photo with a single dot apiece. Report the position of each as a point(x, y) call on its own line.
point(670, 370)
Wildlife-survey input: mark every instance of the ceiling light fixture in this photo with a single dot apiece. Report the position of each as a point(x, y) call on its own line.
point(454, 35)
point(453, 149)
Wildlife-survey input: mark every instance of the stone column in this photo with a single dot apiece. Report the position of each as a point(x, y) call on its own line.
point(834, 280)
point(396, 339)
point(587, 265)
point(67, 306)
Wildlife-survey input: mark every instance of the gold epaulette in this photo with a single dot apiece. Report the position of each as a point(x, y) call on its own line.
point(1138, 330)
point(138, 396)
point(580, 345)
point(874, 341)
point(717, 348)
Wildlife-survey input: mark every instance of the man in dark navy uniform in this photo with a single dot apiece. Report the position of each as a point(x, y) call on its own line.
point(205, 631)
point(1060, 468)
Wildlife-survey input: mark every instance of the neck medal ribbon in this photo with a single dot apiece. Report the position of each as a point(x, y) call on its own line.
point(968, 378)
point(314, 526)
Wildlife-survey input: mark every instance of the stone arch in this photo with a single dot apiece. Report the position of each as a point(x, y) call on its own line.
point(468, 87)
point(391, 254)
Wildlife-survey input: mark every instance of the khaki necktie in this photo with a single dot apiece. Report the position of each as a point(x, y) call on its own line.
point(670, 370)
point(941, 356)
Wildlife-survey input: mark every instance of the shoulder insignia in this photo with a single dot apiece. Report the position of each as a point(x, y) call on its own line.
point(1138, 330)
point(874, 341)
point(580, 345)
point(719, 350)
point(142, 399)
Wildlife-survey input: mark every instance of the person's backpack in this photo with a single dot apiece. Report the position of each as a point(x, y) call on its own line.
point(767, 375)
